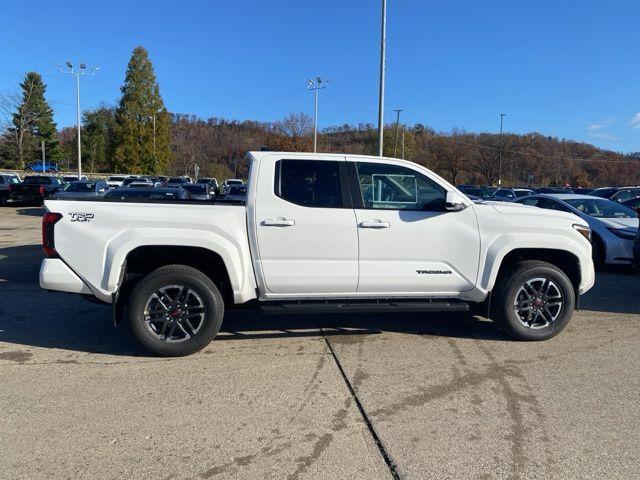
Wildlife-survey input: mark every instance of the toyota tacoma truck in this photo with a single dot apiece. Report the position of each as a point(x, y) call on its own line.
point(318, 233)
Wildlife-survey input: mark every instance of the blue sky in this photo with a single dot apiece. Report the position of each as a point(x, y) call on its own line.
point(564, 68)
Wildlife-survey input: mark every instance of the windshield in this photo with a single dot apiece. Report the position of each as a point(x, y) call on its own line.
point(80, 187)
point(177, 180)
point(601, 208)
point(32, 180)
point(604, 192)
point(197, 189)
point(238, 190)
point(522, 193)
point(478, 192)
point(116, 179)
point(234, 182)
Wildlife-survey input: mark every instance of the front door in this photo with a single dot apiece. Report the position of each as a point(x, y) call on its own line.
point(409, 244)
point(306, 227)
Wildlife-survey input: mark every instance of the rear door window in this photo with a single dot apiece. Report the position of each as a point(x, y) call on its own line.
point(310, 183)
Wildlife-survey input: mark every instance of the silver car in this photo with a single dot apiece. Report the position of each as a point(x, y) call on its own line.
point(613, 226)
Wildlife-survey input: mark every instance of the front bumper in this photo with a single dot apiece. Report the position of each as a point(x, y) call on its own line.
point(56, 275)
point(587, 275)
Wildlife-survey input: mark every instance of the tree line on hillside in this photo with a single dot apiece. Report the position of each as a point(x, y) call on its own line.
point(139, 135)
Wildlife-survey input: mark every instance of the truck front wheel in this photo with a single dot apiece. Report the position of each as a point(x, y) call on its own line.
point(533, 300)
point(175, 310)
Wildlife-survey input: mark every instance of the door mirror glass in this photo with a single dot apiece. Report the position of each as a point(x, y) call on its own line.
point(454, 202)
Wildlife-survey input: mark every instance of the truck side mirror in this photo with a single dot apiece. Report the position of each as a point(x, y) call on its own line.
point(454, 202)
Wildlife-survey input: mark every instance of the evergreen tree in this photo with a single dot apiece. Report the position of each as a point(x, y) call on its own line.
point(33, 122)
point(137, 148)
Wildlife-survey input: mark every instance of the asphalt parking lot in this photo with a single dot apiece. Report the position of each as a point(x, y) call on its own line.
point(418, 396)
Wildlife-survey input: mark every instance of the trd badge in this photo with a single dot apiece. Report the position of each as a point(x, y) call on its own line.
point(81, 217)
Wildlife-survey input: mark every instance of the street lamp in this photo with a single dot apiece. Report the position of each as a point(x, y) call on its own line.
point(81, 70)
point(502, 115)
point(383, 43)
point(316, 85)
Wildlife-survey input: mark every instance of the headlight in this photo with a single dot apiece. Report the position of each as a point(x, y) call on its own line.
point(583, 230)
point(624, 234)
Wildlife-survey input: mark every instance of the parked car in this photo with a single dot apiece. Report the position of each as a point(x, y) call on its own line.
point(197, 192)
point(66, 179)
point(137, 182)
point(177, 181)
point(35, 188)
point(115, 181)
point(6, 180)
point(319, 232)
point(469, 190)
point(550, 190)
point(46, 167)
point(230, 182)
point(582, 191)
point(82, 189)
point(236, 193)
point(509, 194)
point(147, 194)
point(633, 204)
point(614, 226)
point(212, 184)
point(617, 194)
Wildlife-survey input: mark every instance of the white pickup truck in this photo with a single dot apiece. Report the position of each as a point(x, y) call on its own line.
point(318, 232)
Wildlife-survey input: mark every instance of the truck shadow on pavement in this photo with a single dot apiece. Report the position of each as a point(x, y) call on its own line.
point(33, 211)
point(30, 316)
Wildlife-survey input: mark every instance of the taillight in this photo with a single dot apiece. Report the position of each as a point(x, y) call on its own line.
point(48, 245)
point(41, 190)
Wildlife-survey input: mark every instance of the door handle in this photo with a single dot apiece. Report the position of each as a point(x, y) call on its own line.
point(278, 222)
point(374, 224)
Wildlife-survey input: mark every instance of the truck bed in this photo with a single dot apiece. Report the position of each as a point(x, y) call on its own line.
point(93, 237)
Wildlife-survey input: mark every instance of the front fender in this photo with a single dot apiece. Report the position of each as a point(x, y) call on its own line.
point(499, 248)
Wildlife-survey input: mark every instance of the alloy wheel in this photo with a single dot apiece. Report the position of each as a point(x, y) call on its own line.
point(538, 303)
point(174, 313)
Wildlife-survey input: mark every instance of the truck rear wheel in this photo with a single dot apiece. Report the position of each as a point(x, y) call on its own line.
point(533, 300)
point(175, 310)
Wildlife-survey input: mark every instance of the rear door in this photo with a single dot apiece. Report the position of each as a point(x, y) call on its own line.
point(305, 227)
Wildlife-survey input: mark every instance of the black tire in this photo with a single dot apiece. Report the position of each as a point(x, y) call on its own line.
point(195, 281)
point(598, 252)
point(509, 289)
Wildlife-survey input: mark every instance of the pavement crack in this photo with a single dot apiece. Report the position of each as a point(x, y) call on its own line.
point(393, 469)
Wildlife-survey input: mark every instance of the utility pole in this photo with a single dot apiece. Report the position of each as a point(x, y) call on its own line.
point(403, 144)
point(81, 70)
point(395, 144)
point(43, 156)
point(383, 43)
point(316, 85)
point(502, 115)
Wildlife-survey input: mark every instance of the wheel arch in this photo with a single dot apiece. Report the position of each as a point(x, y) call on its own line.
point(566, 261)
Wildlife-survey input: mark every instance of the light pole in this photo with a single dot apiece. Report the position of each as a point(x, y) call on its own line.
point(383, 43)
point(395, 144)
point(81, 70)
point(502, 115)
point(316, 85)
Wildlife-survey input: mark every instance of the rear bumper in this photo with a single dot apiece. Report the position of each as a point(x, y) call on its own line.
point(56, 275)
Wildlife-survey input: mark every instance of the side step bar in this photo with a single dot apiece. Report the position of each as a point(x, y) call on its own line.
point(359, 306)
